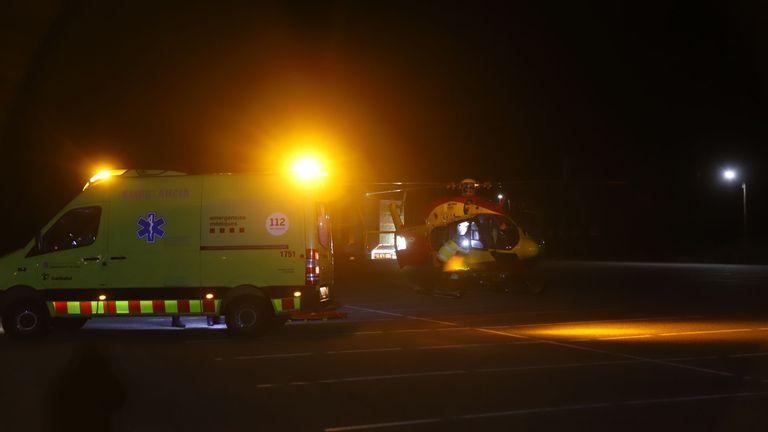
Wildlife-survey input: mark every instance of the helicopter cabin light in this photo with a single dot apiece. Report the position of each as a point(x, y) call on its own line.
point(400, 243)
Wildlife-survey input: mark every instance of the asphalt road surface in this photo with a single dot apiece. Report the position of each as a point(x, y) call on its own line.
point(607, 346)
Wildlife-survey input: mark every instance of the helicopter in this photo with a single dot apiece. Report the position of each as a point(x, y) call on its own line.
point(466, 239)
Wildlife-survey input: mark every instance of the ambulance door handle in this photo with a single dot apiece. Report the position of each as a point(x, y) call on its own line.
point(117, 258)
point(92, 259)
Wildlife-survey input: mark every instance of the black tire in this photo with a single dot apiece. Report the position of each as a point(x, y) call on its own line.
point(249, 316)
point(69, 324)
point(26, 320)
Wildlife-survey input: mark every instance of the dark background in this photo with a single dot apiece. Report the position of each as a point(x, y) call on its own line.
point(611, 122)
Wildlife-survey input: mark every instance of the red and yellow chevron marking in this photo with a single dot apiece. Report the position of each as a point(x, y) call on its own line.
point(135, 307)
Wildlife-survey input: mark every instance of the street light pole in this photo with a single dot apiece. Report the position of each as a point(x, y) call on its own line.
point(730, 175)
point(744, 209)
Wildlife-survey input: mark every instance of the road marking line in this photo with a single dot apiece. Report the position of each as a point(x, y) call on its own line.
point(555, 366)
point(592, 321)
point(760, 354)
point(364, 350)
point(381, 425)
point(401, 315)
point(437, 347)
point(612, 404)
point(484, 370)
point(704, 332)
point(543, 410)
point(615, 354)
point(367, 350)
point(423, 330)
point(393, 376)
point(263, 356)
point(485, 330)
point(373, 378)
point(375, 311)
point(710, 357)
point(431, 320)
point(578, 347)
point(619, 337)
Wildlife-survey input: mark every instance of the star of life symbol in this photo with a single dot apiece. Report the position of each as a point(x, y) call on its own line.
point(150, 227)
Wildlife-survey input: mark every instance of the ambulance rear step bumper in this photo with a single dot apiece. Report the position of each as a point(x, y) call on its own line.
point(328, 310)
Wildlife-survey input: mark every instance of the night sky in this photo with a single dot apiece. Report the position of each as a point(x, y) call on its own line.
point(658, 95)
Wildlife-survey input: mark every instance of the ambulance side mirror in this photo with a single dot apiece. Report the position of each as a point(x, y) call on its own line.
point(39, 242)
point(37, 246)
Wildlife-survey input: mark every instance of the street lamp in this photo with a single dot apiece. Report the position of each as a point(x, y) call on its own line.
point(731, 175)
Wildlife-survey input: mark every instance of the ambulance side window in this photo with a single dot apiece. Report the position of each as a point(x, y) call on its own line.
point(75, 228)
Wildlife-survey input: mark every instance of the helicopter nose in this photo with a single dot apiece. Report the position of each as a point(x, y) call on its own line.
point(527, 248)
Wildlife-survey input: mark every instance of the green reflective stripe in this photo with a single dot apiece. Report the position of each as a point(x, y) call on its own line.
point(171, 306)
point(146, 307)
point(195, 306)
point(277, 304)
point(121, 307)
point(73, 308)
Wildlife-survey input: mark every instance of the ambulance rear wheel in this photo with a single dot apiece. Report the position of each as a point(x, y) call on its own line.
point(249, 316)
point(26, 320)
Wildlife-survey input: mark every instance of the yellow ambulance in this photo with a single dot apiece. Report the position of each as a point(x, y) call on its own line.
point(253, 248)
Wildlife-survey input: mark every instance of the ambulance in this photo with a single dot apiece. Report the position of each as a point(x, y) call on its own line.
point(253, 248)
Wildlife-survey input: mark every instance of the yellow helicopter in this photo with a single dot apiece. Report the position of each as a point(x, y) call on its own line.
point(466, 239)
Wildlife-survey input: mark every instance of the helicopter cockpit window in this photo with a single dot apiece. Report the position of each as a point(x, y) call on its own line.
point(475, 242)
point(503, 233)
point(467, 235)
point(463, 234)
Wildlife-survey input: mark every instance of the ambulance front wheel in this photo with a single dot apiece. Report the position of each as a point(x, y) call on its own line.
point(248, 316)
point(26, 320)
